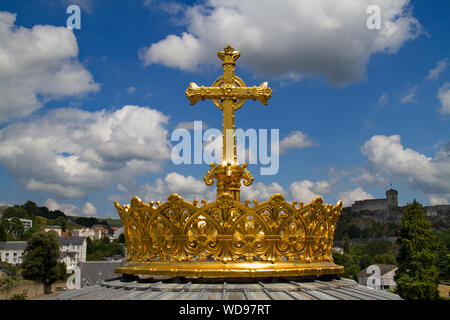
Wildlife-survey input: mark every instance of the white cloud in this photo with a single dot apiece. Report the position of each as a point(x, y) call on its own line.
point(350, 196)
point(37, 65)
point(288, 38)
point(382, 100)
point(67, 208)
point(295, 140)
point(388, 158)
point(131, 90)
point(444, 98)
point(186, 186)
point(261, 192)
point(442, 65)
point(410, 96)
point(189, 125)
point(368, 179)
point(89, 210)
point(70, 152)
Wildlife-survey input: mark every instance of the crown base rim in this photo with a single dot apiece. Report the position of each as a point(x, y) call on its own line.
point(230, 269)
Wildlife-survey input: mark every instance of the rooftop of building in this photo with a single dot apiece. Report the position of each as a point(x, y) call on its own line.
point(384, 269)
point(227, 289)
point(13, 245)
point(77, 241)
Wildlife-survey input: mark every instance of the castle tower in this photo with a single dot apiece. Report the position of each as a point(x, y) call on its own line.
point(392, 198)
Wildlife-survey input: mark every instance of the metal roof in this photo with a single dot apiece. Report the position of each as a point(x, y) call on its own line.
point(77, 241)
point(93, 272)
point(13, 245)
point(203, 289)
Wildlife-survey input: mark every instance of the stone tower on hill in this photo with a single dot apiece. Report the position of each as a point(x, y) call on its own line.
point(391, 201)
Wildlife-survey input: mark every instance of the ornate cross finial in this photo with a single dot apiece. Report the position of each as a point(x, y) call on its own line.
point(228, 93)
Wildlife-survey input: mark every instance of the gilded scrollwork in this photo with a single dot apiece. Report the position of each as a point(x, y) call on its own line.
point(227, 230)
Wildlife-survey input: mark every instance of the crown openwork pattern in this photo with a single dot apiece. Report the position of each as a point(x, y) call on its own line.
point(276, 235)
point(227, 238)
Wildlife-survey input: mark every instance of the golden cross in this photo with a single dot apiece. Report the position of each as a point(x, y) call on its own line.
point(228, 93)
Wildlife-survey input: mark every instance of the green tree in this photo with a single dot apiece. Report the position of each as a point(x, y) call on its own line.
point(16, 227)
point(416, 277)
point(16, 211)
point(365, 261)
point(3, 233)
point(31, 208)
point(40, 261)
point(385, 258)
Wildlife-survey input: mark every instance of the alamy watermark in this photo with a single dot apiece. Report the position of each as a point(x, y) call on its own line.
point(373, 22)
point(204, 147)
point(74, 20)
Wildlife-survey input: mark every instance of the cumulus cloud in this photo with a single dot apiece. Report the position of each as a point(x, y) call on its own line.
point(383, 99)
point(410, 96)
point(288, 38)
point(389, 158)
point(442, 65)
point(444, 98)
point(302, 190)
point(348, 197)
point(188, 187)
point(37, 65)
point(89, 210)
point(67, 208)
point(69, 152)
point(294, 140)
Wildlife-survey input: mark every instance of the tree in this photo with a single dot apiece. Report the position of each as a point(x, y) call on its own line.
point(31, 208)
point(3, 233)
point(40, 261)
point(416, 277)
point(16, 227)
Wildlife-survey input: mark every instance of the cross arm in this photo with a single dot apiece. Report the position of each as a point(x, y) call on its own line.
point(261, 93)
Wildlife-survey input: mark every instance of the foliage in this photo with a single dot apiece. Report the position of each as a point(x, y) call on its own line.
point(122, 238)
point(3, 232)
point(103, 248)
point(417, 277)
point(89, 221)
point(19, 296)
point(359, 257)
point(61, 271)
point(40, 260)
point(16, 227)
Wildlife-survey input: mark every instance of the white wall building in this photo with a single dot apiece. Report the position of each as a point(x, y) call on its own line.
point(12, 251)
point(27, 223)
point(378, 276)
point(57, 229)
point(73, 250)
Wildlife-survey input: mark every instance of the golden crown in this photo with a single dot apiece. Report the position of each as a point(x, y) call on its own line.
point(226, 237)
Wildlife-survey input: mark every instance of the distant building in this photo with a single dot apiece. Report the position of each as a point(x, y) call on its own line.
point(378, 276)
point(73, 250)
point(433, 211)
point(27, 223)
point(390, 202)
point(12, 251)
point(57, 229)
point(101, 231)
point(338, 250)
point(115, 232)
point(93, 272)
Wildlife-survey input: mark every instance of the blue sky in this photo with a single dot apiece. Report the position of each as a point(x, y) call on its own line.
point(87, 114)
